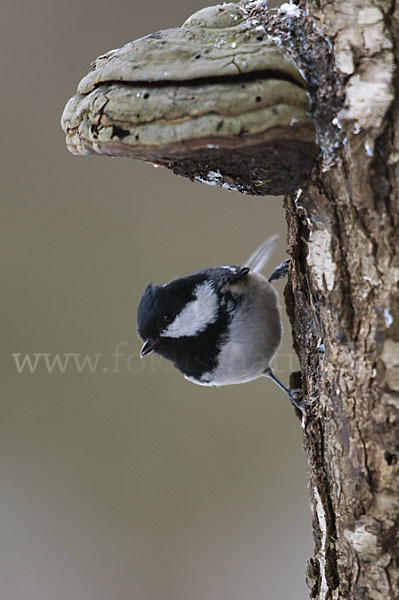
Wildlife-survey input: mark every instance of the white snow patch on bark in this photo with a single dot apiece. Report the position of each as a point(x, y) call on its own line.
point(369, 93)
point(388, 318)
point(320, 258)
point(321, 517)
point(291, 10)
point(363, 49)
point(362, 539)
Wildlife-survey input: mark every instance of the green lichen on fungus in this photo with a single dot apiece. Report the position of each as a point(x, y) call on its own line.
point(214, 96)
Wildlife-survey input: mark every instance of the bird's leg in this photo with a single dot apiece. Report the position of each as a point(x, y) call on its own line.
point(296, 395)
point(280, 271)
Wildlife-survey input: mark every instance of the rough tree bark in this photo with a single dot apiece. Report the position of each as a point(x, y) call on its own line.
point(343, 232)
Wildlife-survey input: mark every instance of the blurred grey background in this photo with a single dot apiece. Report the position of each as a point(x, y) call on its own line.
point(128, 481)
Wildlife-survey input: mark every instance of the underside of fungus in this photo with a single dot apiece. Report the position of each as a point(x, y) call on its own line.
point(214, 100)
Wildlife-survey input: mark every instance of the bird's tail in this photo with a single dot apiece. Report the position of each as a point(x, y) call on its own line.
point(260, 257)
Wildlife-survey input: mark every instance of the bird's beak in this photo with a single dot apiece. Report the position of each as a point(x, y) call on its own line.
point(148, 347)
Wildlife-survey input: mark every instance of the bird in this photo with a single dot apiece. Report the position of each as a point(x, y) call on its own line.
point(218, 326)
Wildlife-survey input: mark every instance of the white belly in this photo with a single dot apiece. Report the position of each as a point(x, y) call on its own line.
point(254, 336)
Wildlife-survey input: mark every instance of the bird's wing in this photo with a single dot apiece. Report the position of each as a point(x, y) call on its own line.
point(260, 257)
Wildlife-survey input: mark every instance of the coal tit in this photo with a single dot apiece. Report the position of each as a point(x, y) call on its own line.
point(218, 326)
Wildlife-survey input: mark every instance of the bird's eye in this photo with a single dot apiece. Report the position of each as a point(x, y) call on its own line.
point(167, 319)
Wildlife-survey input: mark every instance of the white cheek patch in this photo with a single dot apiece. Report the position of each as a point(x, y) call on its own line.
point(196, 315)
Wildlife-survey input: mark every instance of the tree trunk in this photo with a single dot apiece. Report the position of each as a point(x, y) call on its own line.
point(343, 232)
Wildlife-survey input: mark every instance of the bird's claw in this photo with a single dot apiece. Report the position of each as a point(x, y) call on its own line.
point(298, 400)
point(280, 271)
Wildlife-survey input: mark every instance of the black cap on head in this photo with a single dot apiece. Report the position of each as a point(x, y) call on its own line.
point(148, 312)
point(159, 305)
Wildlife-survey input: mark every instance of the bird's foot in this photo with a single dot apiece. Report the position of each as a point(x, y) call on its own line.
point(280, 271)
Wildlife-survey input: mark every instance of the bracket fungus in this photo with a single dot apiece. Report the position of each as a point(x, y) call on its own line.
point(214, 100)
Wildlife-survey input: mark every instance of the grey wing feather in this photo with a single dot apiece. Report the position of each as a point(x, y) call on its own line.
point(261, 256)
